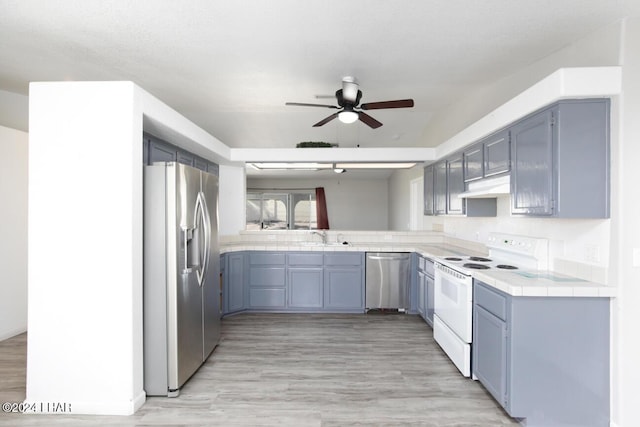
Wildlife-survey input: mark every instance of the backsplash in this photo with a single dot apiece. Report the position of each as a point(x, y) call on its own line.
point(590, 272)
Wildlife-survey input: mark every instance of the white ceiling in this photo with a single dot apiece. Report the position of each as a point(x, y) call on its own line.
point(230, 66)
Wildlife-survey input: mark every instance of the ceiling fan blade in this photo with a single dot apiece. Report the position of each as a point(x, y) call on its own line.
point(302, 104)
point(326, 120)
point(368, 120)
point(401, 103)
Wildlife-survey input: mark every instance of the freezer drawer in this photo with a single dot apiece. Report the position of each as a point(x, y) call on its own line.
point(387, 280)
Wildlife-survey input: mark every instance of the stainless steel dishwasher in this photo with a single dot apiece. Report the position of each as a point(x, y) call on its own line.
point(387, 280)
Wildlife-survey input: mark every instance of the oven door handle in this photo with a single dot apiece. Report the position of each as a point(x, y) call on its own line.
point(450, 271)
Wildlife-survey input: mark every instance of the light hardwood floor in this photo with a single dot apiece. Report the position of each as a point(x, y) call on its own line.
point(300, 370)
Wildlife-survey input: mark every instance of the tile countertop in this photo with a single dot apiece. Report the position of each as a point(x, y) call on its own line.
point(427, 250)
point(532, 283)
point(518, 283)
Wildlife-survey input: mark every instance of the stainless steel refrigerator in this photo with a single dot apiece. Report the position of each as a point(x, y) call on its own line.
point(181, 274)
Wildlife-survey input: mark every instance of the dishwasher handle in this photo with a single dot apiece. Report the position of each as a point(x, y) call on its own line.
point(391, 257)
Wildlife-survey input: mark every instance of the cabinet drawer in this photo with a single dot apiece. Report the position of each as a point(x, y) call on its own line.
point(343, 258)
point(267, 276)
point(267, 298)
point(491, 301)
point(428, 267)
point(267, 258)
point(305, 259)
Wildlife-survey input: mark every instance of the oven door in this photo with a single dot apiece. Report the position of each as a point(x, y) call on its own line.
point(453, 300)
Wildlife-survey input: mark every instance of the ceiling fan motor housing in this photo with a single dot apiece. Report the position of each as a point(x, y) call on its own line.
point(342, 101)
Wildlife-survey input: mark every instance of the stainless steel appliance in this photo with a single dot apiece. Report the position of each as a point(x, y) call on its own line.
point(387, 280)
point(453, 295)
point(181, 274)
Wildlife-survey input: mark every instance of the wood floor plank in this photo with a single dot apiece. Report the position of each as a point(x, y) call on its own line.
point(300, 370)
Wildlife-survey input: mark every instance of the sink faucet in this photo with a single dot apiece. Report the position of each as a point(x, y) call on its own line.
point(322, 234)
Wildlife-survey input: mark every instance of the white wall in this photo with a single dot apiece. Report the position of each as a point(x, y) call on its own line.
point(14, 152)
point(399, 196)
point(85, 247)
point(625, 271)
point(231, 200)
point(14, 110)
point(352, 204)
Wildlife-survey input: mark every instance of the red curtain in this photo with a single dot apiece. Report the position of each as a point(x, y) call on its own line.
point(321, 209)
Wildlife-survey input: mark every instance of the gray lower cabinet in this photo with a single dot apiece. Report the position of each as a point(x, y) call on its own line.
point(233, 282)
point(305, 287)
point(545, 359)
point(344, 281)
point(300, 281)
point(267, 280)
point(560, 161)
point(425, 289)
point(305, 280)
point(422, 299)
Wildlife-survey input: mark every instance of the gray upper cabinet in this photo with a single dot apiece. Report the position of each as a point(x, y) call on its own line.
point(488, 157)
point(157, 150)
point(428, 190)
point(473, 162)
point(560, 161)
point(160, 152)
point(440, 188)
point(532, 174)
point(185, 158)
point(455, 186)
point(497, 155)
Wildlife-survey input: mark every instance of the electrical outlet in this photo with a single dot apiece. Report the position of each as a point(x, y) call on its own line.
point(592, 254)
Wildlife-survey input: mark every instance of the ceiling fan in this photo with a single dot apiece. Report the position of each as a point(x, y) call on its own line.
point(348, 103)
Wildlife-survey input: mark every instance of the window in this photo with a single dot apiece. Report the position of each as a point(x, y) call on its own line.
point(281, 211)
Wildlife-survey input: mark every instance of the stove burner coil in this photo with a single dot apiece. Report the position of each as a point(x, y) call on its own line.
point(479, 259)
point(476, 266)
point(506, 267)
point(452, 258)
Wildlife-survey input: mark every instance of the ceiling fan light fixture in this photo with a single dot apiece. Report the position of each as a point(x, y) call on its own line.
point(348, 116)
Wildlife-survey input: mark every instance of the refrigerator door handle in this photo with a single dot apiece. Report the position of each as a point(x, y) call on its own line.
point(187, 234)
point(205, 221)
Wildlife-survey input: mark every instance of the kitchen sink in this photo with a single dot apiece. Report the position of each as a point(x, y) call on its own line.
point(315, 244)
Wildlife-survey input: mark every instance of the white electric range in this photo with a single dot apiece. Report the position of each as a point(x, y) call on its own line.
point(453, 295)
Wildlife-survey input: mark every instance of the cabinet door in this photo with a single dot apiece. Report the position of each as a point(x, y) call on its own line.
point(428, 190)
point(421, 295)
point(185, 158)
point(429, 285)
point(532, 166)
point(497, 156)
point(473, 162)
point(159, 152)
point(200, 163)
point(440, 188)
point(490, 353)
point(455, 186)
point(305, 287)
point(234, 282)
point(343, 288)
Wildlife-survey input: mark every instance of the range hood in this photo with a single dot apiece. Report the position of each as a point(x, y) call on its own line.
point(487, 188)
